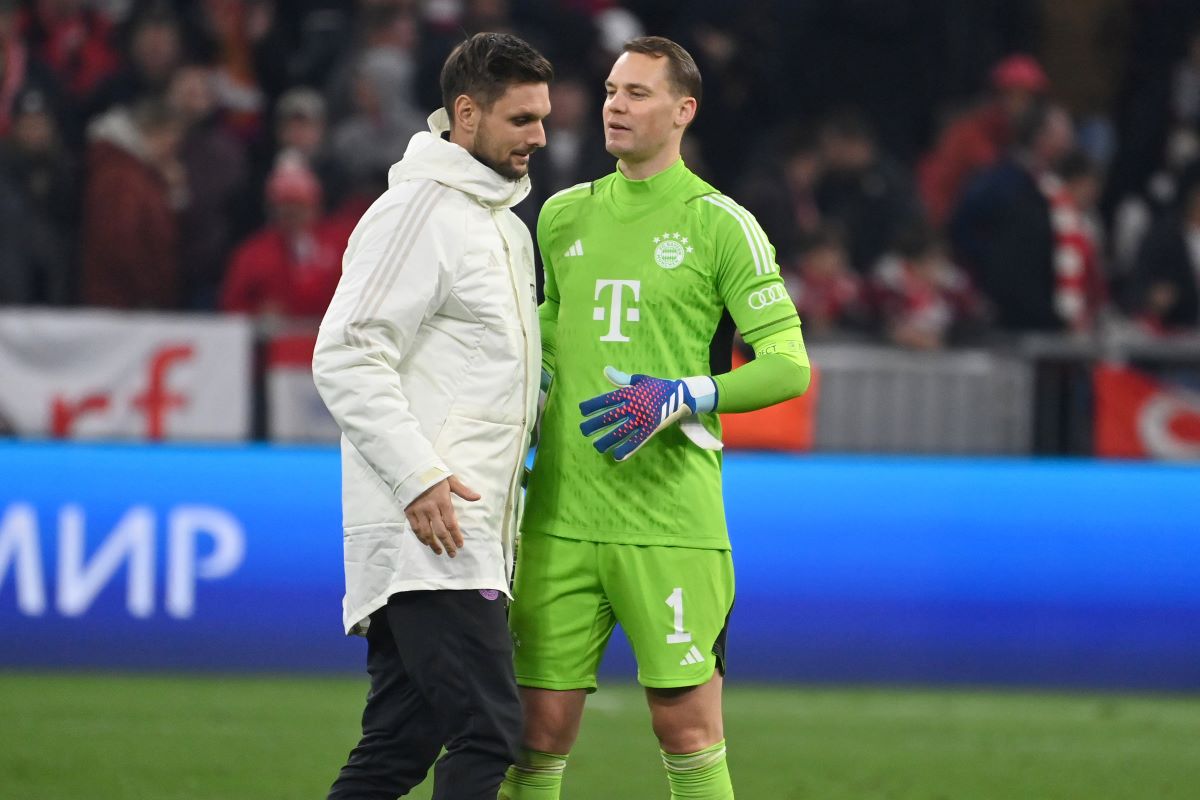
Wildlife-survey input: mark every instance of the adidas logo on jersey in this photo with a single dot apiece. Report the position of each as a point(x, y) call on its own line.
point(693, 657)
point(575, 249)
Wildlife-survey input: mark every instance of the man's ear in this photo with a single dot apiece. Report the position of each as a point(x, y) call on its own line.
point(465, 114)
point(685, 112)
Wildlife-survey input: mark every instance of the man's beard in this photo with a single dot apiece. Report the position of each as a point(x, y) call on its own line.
point(503, 168)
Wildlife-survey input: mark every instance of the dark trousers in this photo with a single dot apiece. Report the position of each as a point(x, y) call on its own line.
point(441, 675)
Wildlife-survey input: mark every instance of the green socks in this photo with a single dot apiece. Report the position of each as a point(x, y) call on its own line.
point(535, 776)
point(692, 776)
point(698, 776)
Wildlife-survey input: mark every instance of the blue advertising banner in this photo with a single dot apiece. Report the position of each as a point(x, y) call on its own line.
point(849, 569)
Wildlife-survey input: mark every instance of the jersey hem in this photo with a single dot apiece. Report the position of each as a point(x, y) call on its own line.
point(641, 540)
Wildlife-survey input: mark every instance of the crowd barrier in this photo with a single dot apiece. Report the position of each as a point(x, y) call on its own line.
point(850, 569)
point(91, 374)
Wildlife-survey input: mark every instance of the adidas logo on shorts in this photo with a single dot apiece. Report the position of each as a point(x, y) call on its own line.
point(693, 656)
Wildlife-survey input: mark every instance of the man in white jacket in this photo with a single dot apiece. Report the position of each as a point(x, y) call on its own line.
point(429, 359)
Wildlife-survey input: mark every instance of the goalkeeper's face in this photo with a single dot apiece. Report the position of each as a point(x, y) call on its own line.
point(643, 113)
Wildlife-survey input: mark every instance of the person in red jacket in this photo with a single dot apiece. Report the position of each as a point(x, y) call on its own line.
point(291, 267)
point(978, 139)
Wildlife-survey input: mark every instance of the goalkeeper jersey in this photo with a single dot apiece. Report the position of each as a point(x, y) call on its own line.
point(651, 277)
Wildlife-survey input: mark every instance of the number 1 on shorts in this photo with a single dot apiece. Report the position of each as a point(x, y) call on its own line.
point(675, 601)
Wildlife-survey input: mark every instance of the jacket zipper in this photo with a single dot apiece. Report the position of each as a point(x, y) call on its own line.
point(515, 484)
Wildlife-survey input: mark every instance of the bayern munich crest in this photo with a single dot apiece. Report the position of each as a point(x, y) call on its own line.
point(671, 249)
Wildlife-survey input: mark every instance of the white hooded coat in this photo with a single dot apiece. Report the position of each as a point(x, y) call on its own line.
point(428, 358)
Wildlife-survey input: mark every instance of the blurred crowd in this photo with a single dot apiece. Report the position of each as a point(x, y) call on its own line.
point(930, 173)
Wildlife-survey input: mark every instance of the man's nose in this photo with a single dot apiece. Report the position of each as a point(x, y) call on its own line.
point(537, 135)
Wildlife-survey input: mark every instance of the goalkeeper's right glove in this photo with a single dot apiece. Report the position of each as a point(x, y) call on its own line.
point(642, 406)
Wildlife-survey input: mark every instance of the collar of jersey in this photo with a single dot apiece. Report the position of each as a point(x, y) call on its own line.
point(628, 192)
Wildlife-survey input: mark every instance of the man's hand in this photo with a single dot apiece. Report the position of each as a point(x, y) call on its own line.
point(641, 407)
point(432, 517)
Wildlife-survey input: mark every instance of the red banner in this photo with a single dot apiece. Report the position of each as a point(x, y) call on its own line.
point(93, 374)
point(1138, 416)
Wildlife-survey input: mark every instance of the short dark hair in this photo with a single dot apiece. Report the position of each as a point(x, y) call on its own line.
point(485, 65)
point(682, 71)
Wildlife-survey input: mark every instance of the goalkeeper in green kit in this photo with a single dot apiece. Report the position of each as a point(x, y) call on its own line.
point(648, 270)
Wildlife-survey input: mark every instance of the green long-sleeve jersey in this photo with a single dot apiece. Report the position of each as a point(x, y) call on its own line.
point(651, 277)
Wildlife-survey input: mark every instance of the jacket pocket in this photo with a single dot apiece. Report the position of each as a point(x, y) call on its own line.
point(370, 556)
point(485, 455)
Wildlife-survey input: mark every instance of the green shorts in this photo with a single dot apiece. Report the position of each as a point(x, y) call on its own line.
point(672, 602)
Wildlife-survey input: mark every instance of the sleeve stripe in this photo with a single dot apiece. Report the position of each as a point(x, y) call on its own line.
point(763, 264)
point(420, 195)
point(389, 267)
point(569, 189)
point(793, 319)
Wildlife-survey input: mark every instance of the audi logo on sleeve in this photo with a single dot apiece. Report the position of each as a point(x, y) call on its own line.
point(766, 297)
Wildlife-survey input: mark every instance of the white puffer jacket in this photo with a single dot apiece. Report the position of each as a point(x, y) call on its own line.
point(428, 358)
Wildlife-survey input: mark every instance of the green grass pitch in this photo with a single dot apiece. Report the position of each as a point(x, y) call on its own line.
point(200, 738)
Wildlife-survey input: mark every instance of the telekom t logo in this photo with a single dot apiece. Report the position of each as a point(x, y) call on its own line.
point(615, 307)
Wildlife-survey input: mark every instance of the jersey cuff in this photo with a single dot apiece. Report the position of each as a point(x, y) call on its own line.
point(704, 391)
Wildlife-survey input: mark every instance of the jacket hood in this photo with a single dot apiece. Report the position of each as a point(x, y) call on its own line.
point(117, 128)
point(431, 157)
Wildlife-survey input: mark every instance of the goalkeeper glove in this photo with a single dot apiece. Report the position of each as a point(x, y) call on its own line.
point(642, 406)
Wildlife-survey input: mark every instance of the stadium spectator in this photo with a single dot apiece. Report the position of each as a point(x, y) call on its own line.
point(1002, 230)
point(389, 33)
point(738, 55)
point(301, 127)
point(829, 296)
point(923, 298)
point(980, 138)
point(214, 163)
point(1185, 96)
point(18, 69)
point(1073, 191)
point(135, 187)
point(865, 193)
point(1176, 121)
point(292, 267)
point(240, 38)
point(574, 143)
point(41, 211)
point(781, 192)
point(74, 40)
point(155, 52)
point(382, 120)
point(1167, 274)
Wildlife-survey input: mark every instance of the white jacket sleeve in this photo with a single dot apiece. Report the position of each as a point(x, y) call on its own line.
point(398, 271)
